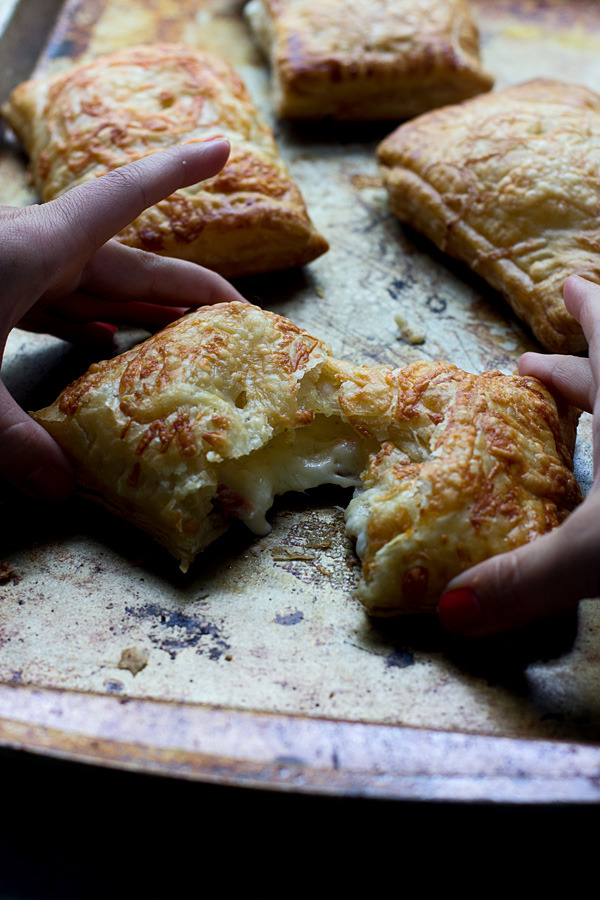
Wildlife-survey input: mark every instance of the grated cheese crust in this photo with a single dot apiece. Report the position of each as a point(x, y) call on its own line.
point(114, 110)
point(208, 420)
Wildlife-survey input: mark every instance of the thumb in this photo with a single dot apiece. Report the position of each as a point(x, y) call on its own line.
point(547, 576)
point(29, 458)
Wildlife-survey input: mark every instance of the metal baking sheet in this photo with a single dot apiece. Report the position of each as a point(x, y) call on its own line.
point(259, 667)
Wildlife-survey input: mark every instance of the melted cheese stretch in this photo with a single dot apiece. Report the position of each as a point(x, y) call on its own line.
point(294, 461)
point(357, 520)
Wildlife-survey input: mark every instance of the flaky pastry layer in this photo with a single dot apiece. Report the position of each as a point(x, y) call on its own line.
point(208, 420)
point(102, 114)
point(508, 183)
point(368, 59)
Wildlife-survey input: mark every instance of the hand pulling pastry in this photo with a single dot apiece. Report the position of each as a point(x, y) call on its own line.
point(368, 59)
point(100, 115)
point(208, 420)
point(508, 183)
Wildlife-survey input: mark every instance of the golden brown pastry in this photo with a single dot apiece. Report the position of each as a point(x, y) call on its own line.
point(481, 466)
point(207, 421)
point(153, 432)
point(508, 183)
point(368, 59)
point(97, 116)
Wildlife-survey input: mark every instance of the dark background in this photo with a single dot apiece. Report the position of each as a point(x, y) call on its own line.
point(69, 830)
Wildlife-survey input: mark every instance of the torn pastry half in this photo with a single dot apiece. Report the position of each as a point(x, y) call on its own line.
point(476, 465)
point(204, 423)
point(508, 183)
point(207, 421)
point(366, 60)
point(101, 114)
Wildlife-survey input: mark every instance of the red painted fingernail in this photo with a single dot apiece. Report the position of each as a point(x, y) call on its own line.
point(459, 611)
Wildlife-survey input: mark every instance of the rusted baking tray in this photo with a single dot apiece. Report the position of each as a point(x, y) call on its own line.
point(259, 667)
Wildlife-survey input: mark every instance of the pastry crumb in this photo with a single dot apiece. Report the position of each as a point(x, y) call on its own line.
point(407, 332)
point(134, 659)
point(284, 554)
point(7, 573)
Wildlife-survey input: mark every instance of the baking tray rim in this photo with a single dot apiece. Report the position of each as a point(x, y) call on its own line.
point(294, 753)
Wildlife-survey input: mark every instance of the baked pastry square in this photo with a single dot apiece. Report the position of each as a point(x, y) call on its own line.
point(97, 116)
point(481, 465)
point(208, 420)
point(361, 60)
point(508, 183)
point(203, 424)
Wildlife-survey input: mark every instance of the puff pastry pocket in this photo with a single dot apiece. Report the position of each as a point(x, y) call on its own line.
point(508, 183)
point(203, 424)
point(207, 421)
point(97, 116)
point(361, 60)
point(482, 465)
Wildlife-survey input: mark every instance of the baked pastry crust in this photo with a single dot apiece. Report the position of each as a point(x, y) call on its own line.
point(366, 60)
point(150, 430)
point(100, 115)
point(482, 465)
point(208, 420)
point(508, 183)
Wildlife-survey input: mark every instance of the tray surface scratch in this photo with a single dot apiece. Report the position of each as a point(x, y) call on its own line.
point(259, 667)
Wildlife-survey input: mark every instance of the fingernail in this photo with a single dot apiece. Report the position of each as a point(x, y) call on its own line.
point(48, 483)
point(459, 611)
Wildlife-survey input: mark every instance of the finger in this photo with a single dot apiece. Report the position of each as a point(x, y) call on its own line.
point(99, 335)
point(89, 215)
point(577, 292)
point(127, 273)
point(547, 576)
point(80, 307)
point(582, 299)
point(569, 376)
point(29, 458)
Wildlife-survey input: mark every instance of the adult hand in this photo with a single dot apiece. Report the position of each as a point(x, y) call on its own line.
point(555, 571)
point(62, 274)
